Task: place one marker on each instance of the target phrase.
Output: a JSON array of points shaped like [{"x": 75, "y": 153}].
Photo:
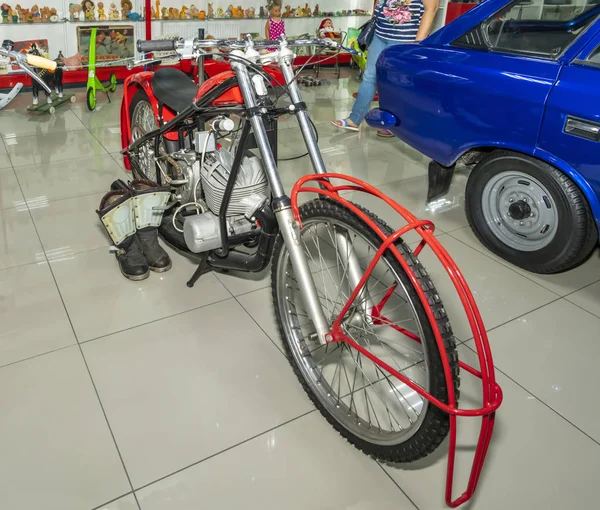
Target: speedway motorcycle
[{"x": 361, "y": 321}]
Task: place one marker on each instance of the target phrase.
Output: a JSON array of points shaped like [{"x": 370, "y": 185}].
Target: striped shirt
[{"x": 398, "y": 20}]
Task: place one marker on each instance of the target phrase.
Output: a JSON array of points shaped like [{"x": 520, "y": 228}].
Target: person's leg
[{"x": 367, "y": 89}]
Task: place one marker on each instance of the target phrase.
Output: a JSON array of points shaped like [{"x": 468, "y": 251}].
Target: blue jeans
[{"x": 368, "y": 87}]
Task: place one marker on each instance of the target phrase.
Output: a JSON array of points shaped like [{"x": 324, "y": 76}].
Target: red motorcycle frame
[{"x": 222, "y": 90}]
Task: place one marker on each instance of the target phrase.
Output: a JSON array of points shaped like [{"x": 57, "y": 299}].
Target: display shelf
[
  {"x": 34, "y": 23},
  {"x": 257, "y": 18}
]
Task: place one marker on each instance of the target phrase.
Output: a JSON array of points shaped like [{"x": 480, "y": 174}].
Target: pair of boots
[{"x": 131, "y": 215}]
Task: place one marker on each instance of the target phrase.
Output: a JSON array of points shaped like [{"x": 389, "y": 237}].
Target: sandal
[
  {"x": 384, "y": 133},
  {"x": 343, "y": 124}
]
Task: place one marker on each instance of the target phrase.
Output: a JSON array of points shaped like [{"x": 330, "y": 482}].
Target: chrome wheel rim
[
  {"x": 367, "y": 401},
  {"x": 142, "y": 122},
  {"x": 519, "y": 211}
]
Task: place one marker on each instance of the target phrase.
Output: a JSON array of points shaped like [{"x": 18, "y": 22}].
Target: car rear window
[{"x": 544, "y": 29}]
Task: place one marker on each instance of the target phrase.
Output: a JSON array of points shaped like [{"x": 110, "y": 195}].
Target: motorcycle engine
[
  {"x": 201, "y": 231},
  {"x": 188, "y": 166}
]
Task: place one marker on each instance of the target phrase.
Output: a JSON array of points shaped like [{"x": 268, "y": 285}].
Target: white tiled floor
[{"x": 151, "y": 396}]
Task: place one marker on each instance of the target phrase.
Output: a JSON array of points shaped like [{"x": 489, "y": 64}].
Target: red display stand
[{"x": 455, "y": 9}]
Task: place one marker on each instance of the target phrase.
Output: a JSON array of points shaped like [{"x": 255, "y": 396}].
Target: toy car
[{"x": 511, "y": 88}]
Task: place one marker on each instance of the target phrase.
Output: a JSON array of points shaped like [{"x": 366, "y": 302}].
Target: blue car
[{"x": 511, "y": 89}]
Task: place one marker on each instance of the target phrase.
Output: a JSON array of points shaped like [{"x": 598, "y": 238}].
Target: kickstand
[{"x": 199, "y": 270}]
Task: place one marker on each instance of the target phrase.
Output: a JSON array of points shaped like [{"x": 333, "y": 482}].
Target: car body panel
[{"x": 447, "y": 100}]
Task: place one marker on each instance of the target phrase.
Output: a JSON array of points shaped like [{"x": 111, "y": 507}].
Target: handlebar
[
  {"x": 24, "y": 60},
  {"x": 150, "y": 46},
  {"x": 198, "y": 44},
  {"x": 44, "y": 63}
]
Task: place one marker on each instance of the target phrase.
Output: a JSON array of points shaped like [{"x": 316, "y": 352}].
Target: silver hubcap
[
  {"x": 519, "y": 211},
  {"x": 142, "y": 122},
  {"x": 366, "y": 400}
]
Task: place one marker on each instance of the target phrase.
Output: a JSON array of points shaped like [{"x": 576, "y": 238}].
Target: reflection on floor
[{"x": 120, "y": 395}]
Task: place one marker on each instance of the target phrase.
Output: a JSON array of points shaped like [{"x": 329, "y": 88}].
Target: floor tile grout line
[
  {"x": 488, "y": 256},
  {"x": 541, "y": 401},
  {"x": 225, "y": 450},
  {"x": 37, "y": 356},
  {"x": 581, "y": 307},
  {"x": 83, "y": 342},
  {"x": 533, "y": 310},
  {"x": 103, "y": 505},
  {"x": 509, "y": 266},
  {"x": 396, "y": 484},
  {"x": 261, "y": 328},
  {"x": 86, "y": 365}
]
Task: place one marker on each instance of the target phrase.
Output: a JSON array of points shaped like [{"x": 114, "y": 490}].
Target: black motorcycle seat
[{"x": 173, "y": 88}]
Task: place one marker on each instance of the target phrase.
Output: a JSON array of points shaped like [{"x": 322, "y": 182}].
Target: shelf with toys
[{"x": 65, "y": 28}]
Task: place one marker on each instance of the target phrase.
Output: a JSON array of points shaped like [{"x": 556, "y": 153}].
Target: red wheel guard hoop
[{"x": 492, "y": 393}]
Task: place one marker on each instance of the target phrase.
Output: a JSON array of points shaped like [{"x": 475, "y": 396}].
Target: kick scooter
[{"x": 93, "y": 82}]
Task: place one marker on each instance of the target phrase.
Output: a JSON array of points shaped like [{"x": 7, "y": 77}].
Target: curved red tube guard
[{"x": 492, "y": 393}]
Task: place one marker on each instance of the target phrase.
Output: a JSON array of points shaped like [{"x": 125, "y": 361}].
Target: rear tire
[
  {"x": 529, "y": 213},
  {"x": 429, "y": 427},
  {"x": 139, "y": 111}
]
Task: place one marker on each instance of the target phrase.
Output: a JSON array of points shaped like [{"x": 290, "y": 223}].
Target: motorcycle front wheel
[{"x": 374, "y": 411}]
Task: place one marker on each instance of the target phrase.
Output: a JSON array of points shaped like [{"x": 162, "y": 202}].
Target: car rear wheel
[{"x": 529, "y": 213}]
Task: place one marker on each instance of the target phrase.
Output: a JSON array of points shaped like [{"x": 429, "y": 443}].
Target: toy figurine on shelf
[
  {"x": 5, "y": 9},
  {"x": 165, "y": 13},
  {"x": 101, "y": 14},
  {"x": 307, "y": 11},
  {"x": 262, "y": 13},
  {"x": 113, "y": 13},
  {"x": 88, "y": 8},
  {"x": 126, "y": 8},
  {"x": 194, "y": 11},
  {"x": 211, "y": 11},
  {"x": 14, "y": 16},
  {"x": 35, "y": 13},
  {"x": 45, "y": 14},
  {"x": 316, "y": 11},
  {"x": 157, "y": 11},
  {"x": 229, "y": 12},
  {"x": 134, "y": 16},
  {"x": 327, "y": 31},
  {"x": 299, "y": 12},
  {"x": 288, "y": 12},
  {"x": 202, "y": 15},
  {"x": 250, "y": 13},
  {"x": 220, "y": 13}
]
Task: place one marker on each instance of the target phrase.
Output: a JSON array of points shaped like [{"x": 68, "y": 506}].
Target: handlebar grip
[
  {"x": 44, "y": 63},
  {"x": 150, "y": 46}
]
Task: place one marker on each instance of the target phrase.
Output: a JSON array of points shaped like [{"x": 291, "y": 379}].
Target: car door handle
[{"x": 582, "y": 128}]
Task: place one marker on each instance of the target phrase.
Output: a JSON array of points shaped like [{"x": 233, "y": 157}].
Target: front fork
[
  {"x": 288, "y": 225},
  {"x": 355, "y": 272}
]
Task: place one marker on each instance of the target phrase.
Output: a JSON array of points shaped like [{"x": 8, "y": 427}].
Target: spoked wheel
[
  {"x": 373, "y": 410},
  {"x": 143, "y": 121}
]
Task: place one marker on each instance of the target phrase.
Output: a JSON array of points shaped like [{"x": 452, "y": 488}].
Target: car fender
[{"x": 575, "y": 176}]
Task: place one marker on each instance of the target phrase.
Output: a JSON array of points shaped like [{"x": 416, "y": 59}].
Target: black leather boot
[
  {"x": 150, "y": 198},
  {"x": 116, "y": 212}
]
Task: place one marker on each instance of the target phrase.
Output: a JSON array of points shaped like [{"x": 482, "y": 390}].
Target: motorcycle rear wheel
[
  {"x": 142, "y": 121},
  {"x": 375, "y": 412}
]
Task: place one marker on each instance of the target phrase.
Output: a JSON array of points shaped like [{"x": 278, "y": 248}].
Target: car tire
[{"x": 529, "y": 213}]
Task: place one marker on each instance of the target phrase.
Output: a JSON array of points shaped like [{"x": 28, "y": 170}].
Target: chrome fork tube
[
  {"x": 283, "y": 211},
  {"x": 355, "y": 272}
]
